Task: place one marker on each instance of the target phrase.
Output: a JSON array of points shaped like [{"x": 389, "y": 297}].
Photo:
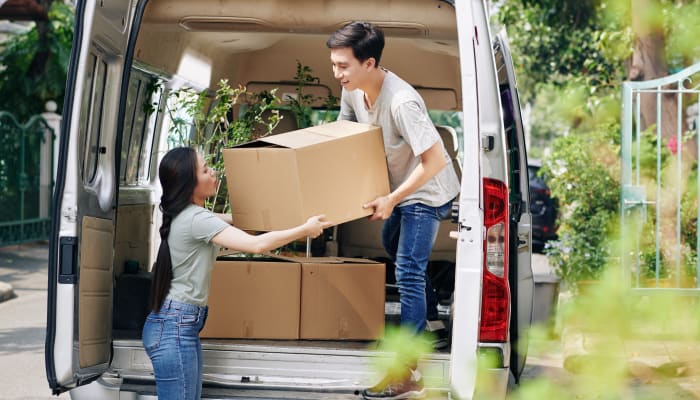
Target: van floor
[{"x": 392, "y": 318}]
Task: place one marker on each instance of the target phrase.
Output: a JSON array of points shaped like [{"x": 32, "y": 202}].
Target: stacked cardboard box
[
  {"x": 278, "y": 182},
  {"x": 296, "y": 298}
]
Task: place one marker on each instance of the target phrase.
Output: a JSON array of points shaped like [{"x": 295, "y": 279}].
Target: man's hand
[{"x": 382, "y": 206}]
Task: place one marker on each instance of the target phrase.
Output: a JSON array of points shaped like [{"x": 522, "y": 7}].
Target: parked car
[
  {"x": 114, "y": 133},
  {"x": 542, "y": 207}
]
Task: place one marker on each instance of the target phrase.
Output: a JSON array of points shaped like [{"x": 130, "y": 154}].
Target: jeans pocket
[
  {"x": 152, "y": 333},
  {"x": 187, "y": 319}
]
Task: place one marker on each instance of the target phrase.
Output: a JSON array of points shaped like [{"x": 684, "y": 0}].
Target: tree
[
  {"x": 40, "y": 57},
  {"x": 574, "y": 57},
  {"x": 649, "y": 61}
]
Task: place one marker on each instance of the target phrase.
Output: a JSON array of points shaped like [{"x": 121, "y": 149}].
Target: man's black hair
[{"x": 365, "y": 40}]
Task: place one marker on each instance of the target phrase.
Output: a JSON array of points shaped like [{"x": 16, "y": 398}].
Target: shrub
[{"x": 583, "y": 170}]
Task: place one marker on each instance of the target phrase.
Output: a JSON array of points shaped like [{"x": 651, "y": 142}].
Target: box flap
[
  {"x": 325, "y": 260},
  {"x": 341, "y": 128},
  {"x": 296, "y": 139},
  {"x": 317, "y": 134}
]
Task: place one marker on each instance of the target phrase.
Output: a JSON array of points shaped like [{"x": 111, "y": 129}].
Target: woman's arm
[
  {"x": 228, "y": 218},
  {"x": 236, "y": 239}
]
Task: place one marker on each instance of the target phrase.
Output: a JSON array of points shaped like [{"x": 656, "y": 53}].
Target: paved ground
[{"x": 23, "y": 322}]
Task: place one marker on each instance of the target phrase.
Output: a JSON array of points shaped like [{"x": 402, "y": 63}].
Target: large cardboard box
[
  {"x": 256, "y": 298},
  {"x": 341, "y": 298},
  {"x": 279, "y": 181}
]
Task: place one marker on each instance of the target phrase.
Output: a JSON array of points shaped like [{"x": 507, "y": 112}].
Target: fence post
[{"x": 49, "y": 157}]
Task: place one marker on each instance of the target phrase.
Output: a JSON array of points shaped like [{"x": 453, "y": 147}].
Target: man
[{"x": 422, "y": 180}]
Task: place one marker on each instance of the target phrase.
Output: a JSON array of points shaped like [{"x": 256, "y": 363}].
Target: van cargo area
[
  {"x": 301, "y": 329},
  {"x": 340, "y": 366}
]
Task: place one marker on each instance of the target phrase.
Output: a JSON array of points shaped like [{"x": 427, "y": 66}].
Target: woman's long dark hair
[{"x": 178, "y": 178}]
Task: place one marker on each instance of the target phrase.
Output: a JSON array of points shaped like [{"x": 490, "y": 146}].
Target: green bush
[{"x": 584, "y": 175}]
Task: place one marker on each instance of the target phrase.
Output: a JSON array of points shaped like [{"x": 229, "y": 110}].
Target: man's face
[{"x": 351, "y": 73}]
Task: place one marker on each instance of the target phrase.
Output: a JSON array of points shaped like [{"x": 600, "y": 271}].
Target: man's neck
[{"x": 374, "y": 86}]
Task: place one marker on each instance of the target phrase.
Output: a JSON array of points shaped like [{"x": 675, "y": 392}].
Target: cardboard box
[
  {"x": 258, "y": 298},
  {"x": 341, "y": 298},
  {"x": 279, "y": 181}
]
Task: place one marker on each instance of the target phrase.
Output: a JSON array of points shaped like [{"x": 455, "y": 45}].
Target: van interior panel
[{"x": 95, "y": 294}]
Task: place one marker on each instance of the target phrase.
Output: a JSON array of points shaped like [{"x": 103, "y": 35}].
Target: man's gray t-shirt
[
  {"x": 193, "y": 254},
  {"x": 408, "y": 132}
]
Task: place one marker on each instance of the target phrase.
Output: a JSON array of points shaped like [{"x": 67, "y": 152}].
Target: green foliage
[
  {"x": 689, "y": 224},
  {"x": 583, "y": 175},
  {"x": 206, "y": 123},
  {"x": 555, "y": 40},
  {"x": 302, "y": 104},
  {"x": 570, "y": 60},
  {"x": 26, "y": 96}
]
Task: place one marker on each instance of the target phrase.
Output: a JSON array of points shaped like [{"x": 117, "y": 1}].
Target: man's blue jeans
[
  {"x": 408, "y": 236},
  {"x": 171, "y": 340}
]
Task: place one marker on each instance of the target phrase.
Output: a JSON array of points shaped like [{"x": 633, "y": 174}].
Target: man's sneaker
[{"x": 409, "y": 388}]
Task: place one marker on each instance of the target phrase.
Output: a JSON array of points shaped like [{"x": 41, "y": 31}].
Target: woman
[{"x": 190, "y": 237}]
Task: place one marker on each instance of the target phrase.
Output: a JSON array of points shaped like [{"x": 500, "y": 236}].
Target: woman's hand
[{"x": 315, "y": 225}]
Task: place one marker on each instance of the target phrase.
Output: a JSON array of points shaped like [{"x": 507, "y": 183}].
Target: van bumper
[{"x": 492, "y": 379}]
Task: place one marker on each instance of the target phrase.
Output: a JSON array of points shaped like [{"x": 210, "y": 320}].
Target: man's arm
[{"x": 432, "y": 161}]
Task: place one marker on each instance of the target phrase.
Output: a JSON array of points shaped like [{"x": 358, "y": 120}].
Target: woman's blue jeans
[
  {"x": 171, "y": 339},
  {"x": 408, "y": 236}
]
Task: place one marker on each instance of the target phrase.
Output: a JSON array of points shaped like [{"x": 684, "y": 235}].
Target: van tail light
[
  {"x": 544, "y": 192},
  {"x": 495, "y": 300}
]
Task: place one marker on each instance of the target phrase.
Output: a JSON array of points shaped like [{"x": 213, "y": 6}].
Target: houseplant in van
[
  {"x": 205, "y": 121},
  {"x": 302, "y": 103}
]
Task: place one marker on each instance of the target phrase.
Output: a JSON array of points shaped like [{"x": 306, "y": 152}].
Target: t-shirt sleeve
[
  {"x": 415, "y": 126},
  {"x": 206, "y": 225},
  {"x": 347, "y": 113}
]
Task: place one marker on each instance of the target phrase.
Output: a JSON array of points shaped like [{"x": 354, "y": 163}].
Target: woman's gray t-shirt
[
  {"x": 408, "y": 132},
  {"x": 193, "y": 254}
]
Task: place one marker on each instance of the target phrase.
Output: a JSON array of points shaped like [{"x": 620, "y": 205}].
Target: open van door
[
  {"x": 79, "y": 310},
  {"x": 520, "y": 272},
  {"x": 468, "y": 266}
]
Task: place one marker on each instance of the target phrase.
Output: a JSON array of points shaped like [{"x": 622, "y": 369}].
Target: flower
[{"x": 672, "y": 144}]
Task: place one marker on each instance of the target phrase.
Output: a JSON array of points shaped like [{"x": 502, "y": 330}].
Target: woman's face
[{"x": 206, "y": 182}]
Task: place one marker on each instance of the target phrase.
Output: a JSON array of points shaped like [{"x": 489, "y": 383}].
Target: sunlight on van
[{"x": 196, "y": 68}]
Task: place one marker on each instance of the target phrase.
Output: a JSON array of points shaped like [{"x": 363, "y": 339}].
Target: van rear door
[
  {"x": 468, "y": 266},
  {"x": 79, "y": 311},
  {"x": 520, "y": 270}
]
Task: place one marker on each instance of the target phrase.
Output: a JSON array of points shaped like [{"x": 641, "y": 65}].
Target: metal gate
[
  {"x": 659, "y": 204},
  {"x": 26, "y": 179}
]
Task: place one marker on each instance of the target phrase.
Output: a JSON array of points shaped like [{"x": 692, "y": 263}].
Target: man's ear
[{"x": 370, "y": 63}]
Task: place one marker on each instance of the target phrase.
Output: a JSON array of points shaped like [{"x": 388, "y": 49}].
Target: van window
[
  {"x": 91, "y": 114},
  {"x": 452, "y": 119},
  {"x": 141, "y": 117}
]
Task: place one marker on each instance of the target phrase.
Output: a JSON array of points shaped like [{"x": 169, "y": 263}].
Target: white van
[{"x": 106, "y": 198}]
